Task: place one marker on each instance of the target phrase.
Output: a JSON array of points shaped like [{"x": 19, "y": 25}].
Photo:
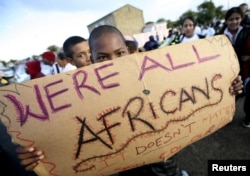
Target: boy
[
  {"x": 77, "y": 49},
  {"x": 107, "y": 43}
]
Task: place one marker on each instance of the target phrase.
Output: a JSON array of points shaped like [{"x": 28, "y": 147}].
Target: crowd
[{"x": 108, "y": 43}]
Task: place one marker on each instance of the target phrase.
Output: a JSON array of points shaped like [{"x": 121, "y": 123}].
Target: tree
[
  {"x": 170, "y": 24},
  {"x": 219, "y": 13},
  {"x": 160, "y": 20},
  {"x": 53, "y": 48},
  {"x": 206, "y": 12},
  {"x": 150, "y": 22},
  {"x": 185, "y": 15}
]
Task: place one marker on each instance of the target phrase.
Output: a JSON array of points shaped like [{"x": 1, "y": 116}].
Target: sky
[{"x": 28, "y": 27}]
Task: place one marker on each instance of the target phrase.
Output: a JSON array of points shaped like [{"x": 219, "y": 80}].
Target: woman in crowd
[{"x": 239, "y": 37}]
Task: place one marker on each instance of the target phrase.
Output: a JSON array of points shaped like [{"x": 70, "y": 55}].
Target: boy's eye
[
  {"x": 120, "y": 53},
  {"x": 101, "y": 58},
  {"x": 81, "y": 55}
]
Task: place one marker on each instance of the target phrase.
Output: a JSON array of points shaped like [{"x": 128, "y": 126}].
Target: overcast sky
[{"x": 28, "y": 27}]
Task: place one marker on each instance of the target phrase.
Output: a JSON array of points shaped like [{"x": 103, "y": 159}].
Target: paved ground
[{"x": 229, "y": 143}]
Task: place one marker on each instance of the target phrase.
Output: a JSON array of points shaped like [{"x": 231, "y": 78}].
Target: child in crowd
[
  {"x": 64, "y": 62},
  {"x": 239, "y": 35},
  {"x": 49, "y": 58},
  {"x": 107, "y": 43},
  {"x": 188, "y": 31},
  {"x": 77, "y": 49}
]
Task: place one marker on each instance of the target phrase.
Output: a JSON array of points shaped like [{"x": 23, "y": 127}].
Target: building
[{"x": 128, "y": 19}]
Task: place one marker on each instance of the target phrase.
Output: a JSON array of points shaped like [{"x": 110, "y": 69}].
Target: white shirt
[
  {"x": 56, "y": 68},
  {"x": 204, "y": 32},
  {"x": 211, "y": 32},
  {"x": 197, "y": 30},
  {"x": 68, "y": 67},
  {"x": 185, "y": 39}
]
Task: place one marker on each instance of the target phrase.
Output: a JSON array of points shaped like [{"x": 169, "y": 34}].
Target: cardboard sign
[{"x": 125, "y": 113}]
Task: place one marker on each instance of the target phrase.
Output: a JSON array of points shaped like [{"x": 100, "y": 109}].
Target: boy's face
[
  {"x": 108, "y": 47},
  {"x": 81, "y": 54}
]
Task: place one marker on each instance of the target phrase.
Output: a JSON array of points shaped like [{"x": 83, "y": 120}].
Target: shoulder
[{"x": 69, "y": 67}]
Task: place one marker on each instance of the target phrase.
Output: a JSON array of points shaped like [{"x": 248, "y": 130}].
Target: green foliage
[
  {"x": 160, "y": 20},
  {"x": 185, "y": 15},
  {"x": 206, "y": 12},
  {"x": 170, "y": 24},
  {"x": 53, "y": 48},
  {"x": 149, "y": 22},
  {"x": 219, "y": 12},
  {"x": 35, "y": 57}
]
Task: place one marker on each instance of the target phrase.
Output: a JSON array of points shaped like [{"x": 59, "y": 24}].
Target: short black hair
[
  {"x": 189, "y": 18},
  {"x": 62, "y": 56},
  {"x": 69, "y": 43},
  {"x": 103, "y": 29}
]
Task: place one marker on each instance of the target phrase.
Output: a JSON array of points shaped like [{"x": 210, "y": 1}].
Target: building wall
[
  {"x": 129, "y": 20},
  {"x": 108, "y": 20}
]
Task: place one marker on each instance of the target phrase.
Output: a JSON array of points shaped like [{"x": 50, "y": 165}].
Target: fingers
[
  {"x": 29, "y": 157},
  {"x": 34, "y": 154},
  {"x": 237, "y": 86},
  {"x": 31, "y": 166},
  {"x": 21, "y": 149}
]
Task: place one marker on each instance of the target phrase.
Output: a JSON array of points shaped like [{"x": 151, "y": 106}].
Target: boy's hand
[
  {"x": 237, "y": 86},
  {"x": 29, "y": 157}
]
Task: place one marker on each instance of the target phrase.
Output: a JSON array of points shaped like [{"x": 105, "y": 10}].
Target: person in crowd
[
  {"x": 77, "y": 49},
  {"x": 171, "y": 39},
  {"x": 246, "y": 20},
  {"x": 239, "y": 37},
  {"x": 208, "y": 30},
  {"x": 197, "y": 29},
  {"x": 49, "y": 58},
  {"x": 211, "y": 30},
  {"x": 151, "y": 44},
  {"x": 33, "y": 68},
  {"x": 246, "y": 26},
  {"x": 204, "y": 31},
  {"x": 107, "y": 43},
  {"x": 188, "y": 33},
  {"x": 64, "y": 62},
  {"x": 132, "y": 46},
  {"x": 246, "y": 105}
]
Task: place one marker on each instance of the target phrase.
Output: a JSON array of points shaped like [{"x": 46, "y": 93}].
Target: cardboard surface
[{"x": 125, "y": 113}]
